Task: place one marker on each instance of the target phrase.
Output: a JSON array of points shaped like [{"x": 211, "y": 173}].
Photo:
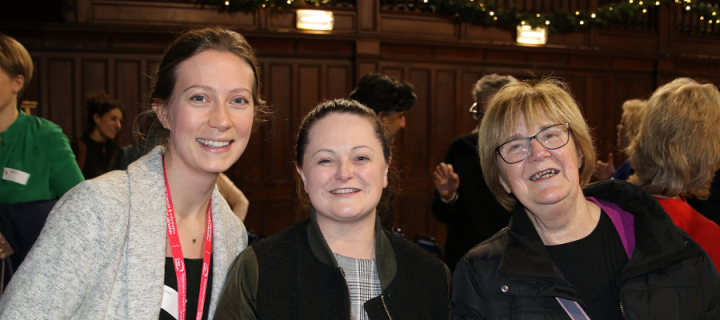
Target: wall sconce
[
  {"x": 528, "y": 35},
  {"x": 314, "y": 20}
]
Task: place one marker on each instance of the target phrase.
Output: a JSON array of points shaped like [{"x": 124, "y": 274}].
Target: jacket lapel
[
  {"x": 223, "y": 241},
  {"x": 145, "y": 250}
]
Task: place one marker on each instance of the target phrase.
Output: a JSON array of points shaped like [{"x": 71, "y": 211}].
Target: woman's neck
[
  {"x": 189, "y": 189},
  {"x": 96, "y": 136},
  {"x": 8, "y": 115},
  {"x": 565, "y": 222},
  {"x": 350, "y": 239}
]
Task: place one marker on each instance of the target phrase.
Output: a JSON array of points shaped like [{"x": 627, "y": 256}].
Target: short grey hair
[{"x": 489, "y": 85}]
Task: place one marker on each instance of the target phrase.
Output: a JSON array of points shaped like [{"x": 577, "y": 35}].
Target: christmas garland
[{"x": 487, "y": 14}]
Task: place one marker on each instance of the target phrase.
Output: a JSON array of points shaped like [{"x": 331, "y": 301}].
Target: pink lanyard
[{"x": 177, "y": 255}]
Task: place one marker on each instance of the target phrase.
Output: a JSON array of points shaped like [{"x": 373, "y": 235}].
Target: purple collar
[{"x": 624, "y": 223}]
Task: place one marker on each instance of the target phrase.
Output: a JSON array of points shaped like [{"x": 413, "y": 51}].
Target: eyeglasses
[
  {"x": 475, "y": 111},
  {"x": 551, "y": 138}
]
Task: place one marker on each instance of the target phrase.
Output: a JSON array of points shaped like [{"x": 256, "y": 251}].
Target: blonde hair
[
  {"x": 15, "y": 60},
  {"x": 633, "y": 111},
  {"x": 530, "y": 100},
  {"x": 678, "y": 147}
]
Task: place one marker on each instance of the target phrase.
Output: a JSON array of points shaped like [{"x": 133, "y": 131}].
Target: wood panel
[
  {"x": 128, "y": 91},
  {"x": 117, "y": 44},
  {"x": 60, "y": 99}
]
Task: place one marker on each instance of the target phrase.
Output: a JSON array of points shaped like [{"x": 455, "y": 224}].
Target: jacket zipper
[
  {"x": 384, "y": 305},
  {"x": 622, "y": 309},
  {"x": 348, "y": 291}
]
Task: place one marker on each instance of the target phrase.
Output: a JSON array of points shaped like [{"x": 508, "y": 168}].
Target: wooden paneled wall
[
  {"x": 63, "y": 80},
  {"x": 114, "y": 45}
]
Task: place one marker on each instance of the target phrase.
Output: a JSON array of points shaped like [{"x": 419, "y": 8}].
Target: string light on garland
[{"x": 507, "y": 17}]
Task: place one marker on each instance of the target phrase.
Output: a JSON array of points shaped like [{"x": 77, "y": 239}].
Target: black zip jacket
[{"x": 511, "y": 275}]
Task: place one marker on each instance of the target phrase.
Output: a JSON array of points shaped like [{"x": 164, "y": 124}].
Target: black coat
[
  {"x": 511, "y": 275},
  {"x": 476, "y": 215}
]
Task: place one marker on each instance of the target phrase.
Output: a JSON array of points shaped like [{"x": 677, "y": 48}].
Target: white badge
[
  {"x": 170, "y": 301},
  {"x": 15, "y": 175}
]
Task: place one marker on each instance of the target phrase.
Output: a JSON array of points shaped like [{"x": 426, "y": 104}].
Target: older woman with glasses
[{"x": 608, "y": 251}]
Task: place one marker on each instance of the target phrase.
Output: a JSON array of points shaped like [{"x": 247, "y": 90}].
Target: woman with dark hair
[
  {"x": 96, "y": 152},
  {"x": 154, "y": 241},
  {"x": 340, "y": 263}
]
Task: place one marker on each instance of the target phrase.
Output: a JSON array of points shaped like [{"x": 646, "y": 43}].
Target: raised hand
[
  {"x": 446, "y": 180},
  {"x": 605, "y": 170}
]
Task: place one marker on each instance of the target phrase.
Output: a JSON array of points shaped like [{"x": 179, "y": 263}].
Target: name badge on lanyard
[{"x": 179, "y": 260}]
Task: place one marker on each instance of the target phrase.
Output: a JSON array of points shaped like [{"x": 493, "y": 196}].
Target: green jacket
[{"x": 37, "y": 147}]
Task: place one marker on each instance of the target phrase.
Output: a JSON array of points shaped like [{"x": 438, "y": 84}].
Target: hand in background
[
  {"x": 605, "y": 170},
  {"x": 5, "y": 249},
  {"x": 234, "y": 197},
  {"x": 446, "y": 180}
]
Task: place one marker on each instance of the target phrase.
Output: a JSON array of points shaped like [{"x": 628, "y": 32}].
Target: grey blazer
[{"x": 101, "y": 254}]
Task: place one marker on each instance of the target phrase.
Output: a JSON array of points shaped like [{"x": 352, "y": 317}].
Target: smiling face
[
  {"x": 210, "y": 113},
  {"x": 545, "y": 177},
  {"x": 109, "y": 124},
  {"x": 344, "y": 170}
]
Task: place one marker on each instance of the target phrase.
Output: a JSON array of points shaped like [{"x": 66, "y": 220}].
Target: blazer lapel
[{"x": 146, "y": 236}]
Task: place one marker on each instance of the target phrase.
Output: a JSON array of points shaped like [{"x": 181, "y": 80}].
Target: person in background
[
  {"x": 388, "y": 97},
  {"x": 155, "y": 241},
  {"x": 35, "y": 157},
  {"x": 627, "y": 130},
  {"x": 468, "y": 208},
  {"x": 608, "y": 251},
  {"x": 677, "y": 152},
  {"x": 234, "y": 196},
  {"x": 340, "y": 263},
  {"x": 96, "y": 151}
]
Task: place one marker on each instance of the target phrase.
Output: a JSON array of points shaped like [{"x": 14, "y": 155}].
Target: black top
[
  {"x": 193, "y": 269},
  {"x": 710, "y": 208},
  {"x": 476, "y": 216},
  {"x": 293, "y": 283},
  {"x": 100, "y": 157},
  {"x": 593, "y": 266}
]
